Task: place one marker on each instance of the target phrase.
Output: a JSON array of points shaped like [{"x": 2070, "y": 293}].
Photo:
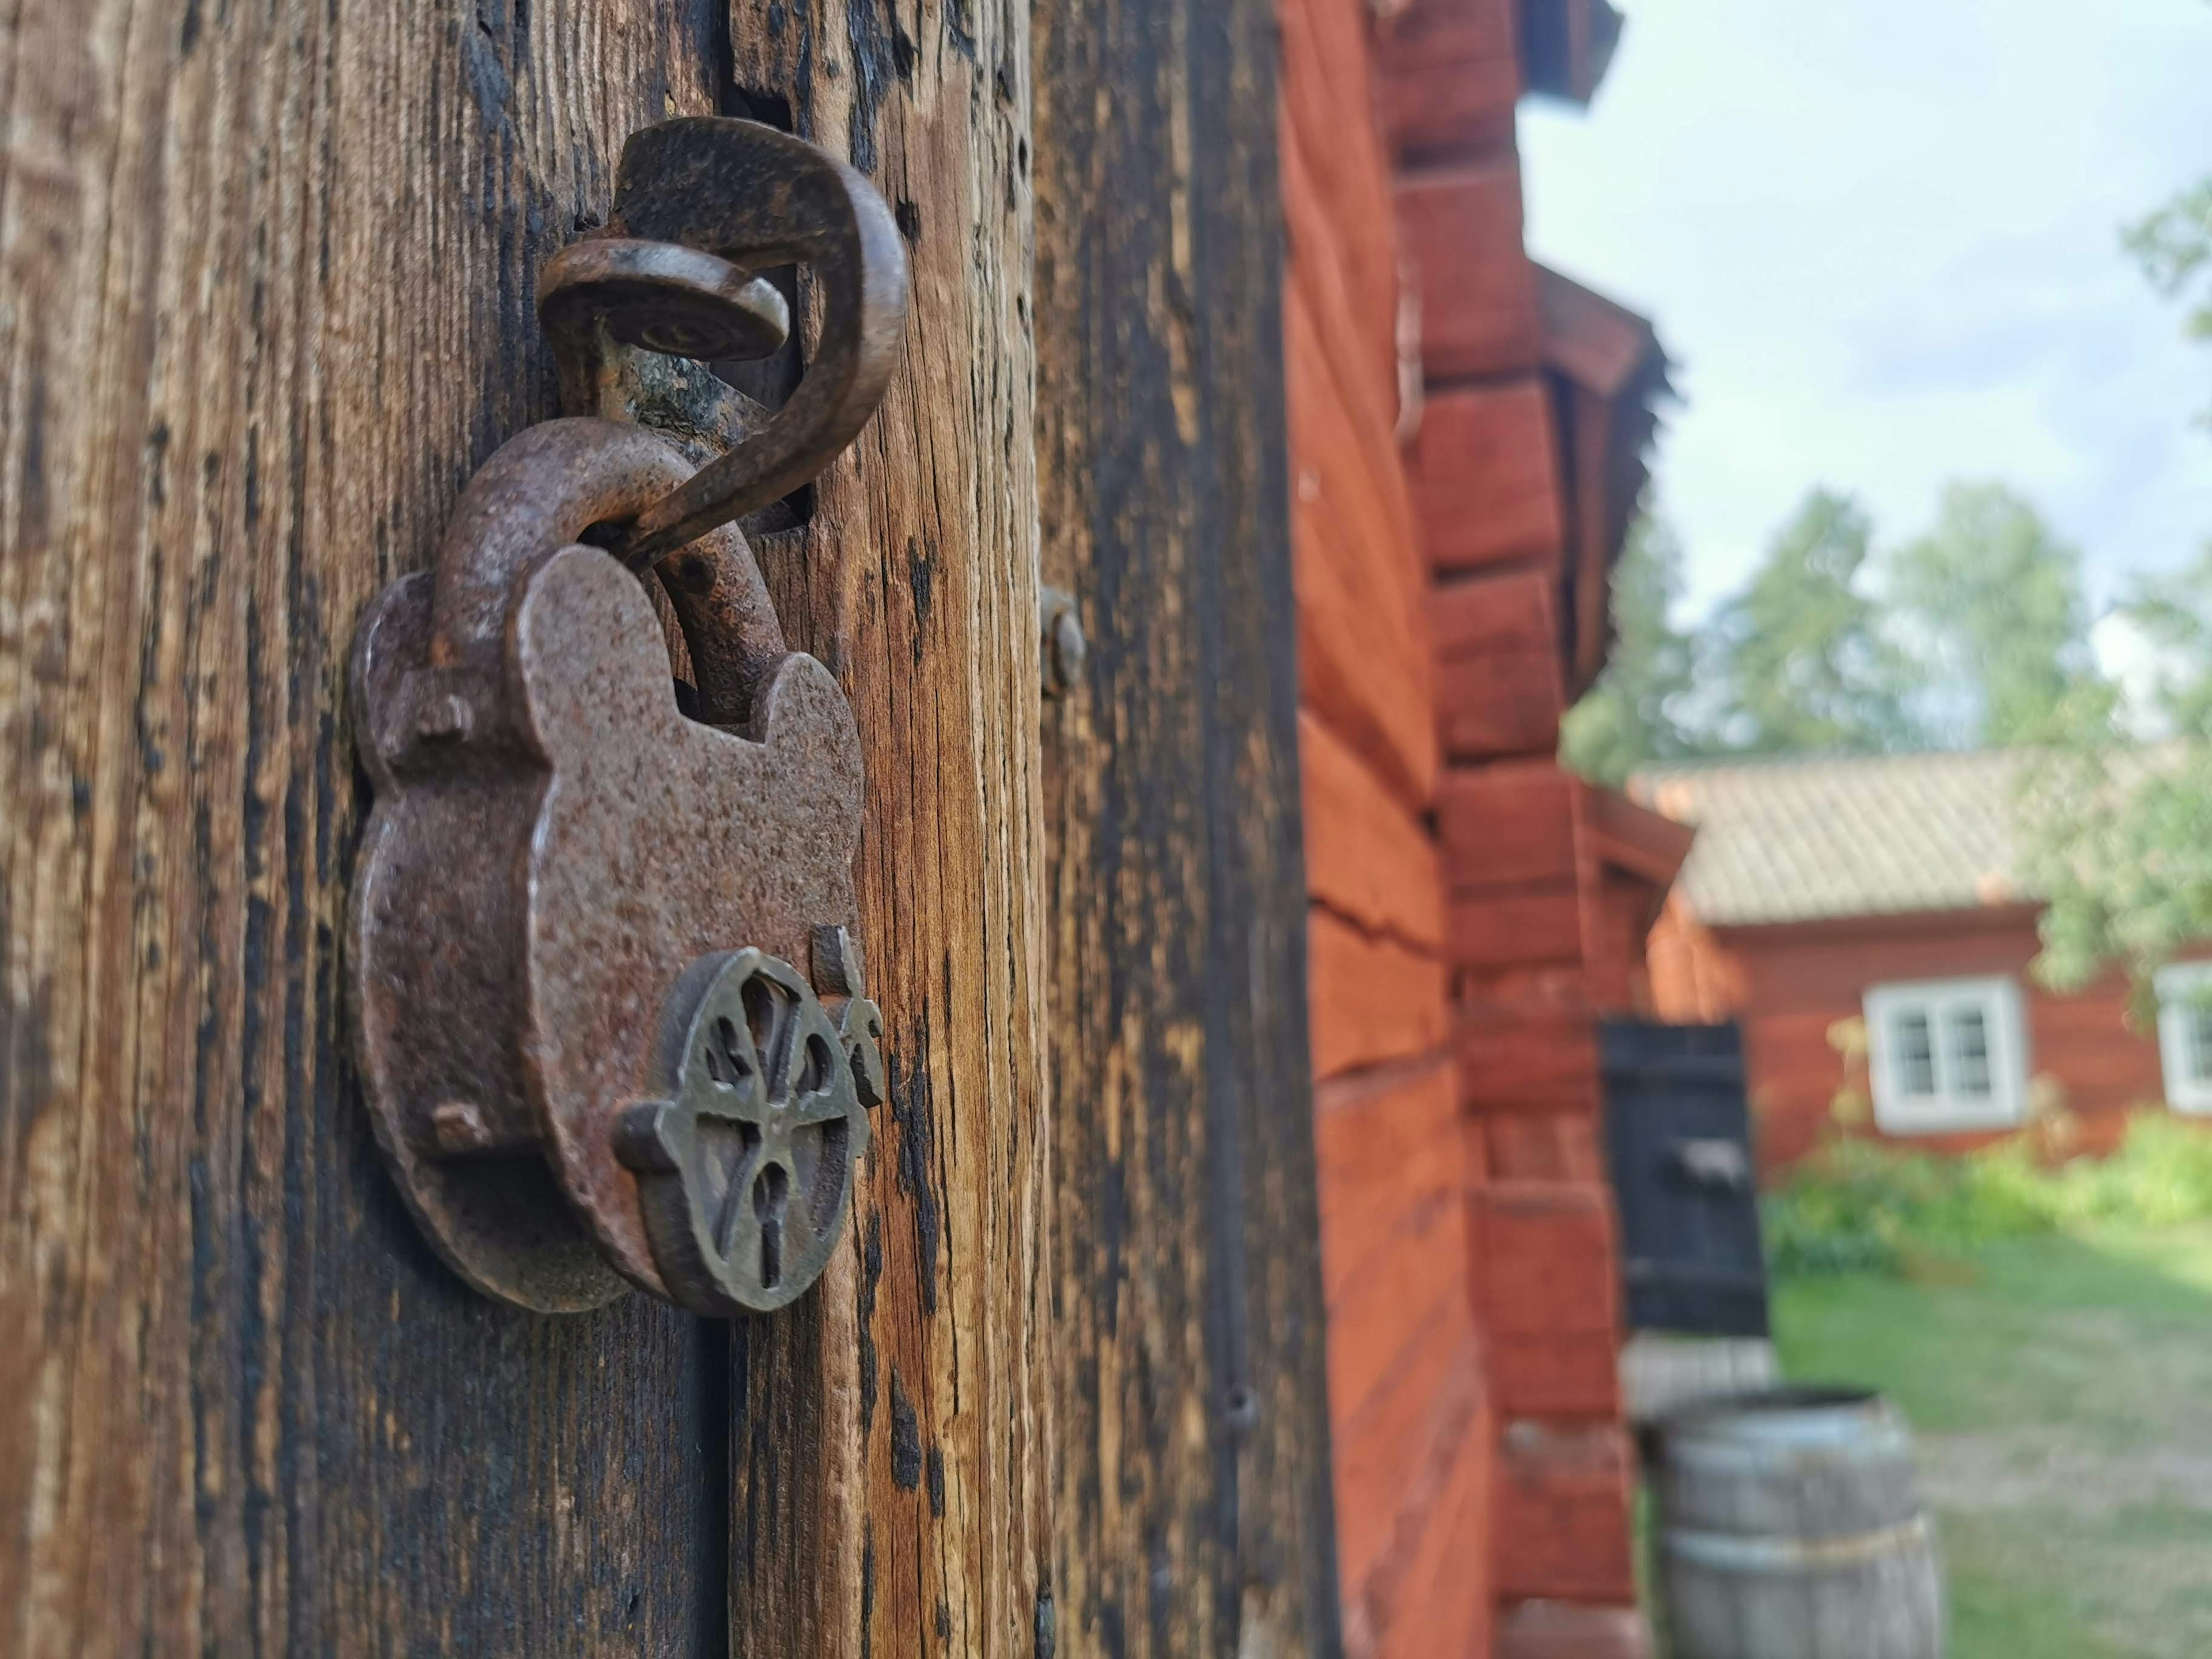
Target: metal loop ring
[{"x": 736, "y": 197}]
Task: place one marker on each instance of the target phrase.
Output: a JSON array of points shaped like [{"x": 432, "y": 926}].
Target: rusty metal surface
[
  {"x": 761, "y": 198},
  {"x": 566, "y": 877}
]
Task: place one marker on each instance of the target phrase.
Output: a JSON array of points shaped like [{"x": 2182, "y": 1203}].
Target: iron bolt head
[
  {"x": 447, "y": 719},
  {"x": 459, "y": 1127},
  {"x": 1065, "y": 647}
]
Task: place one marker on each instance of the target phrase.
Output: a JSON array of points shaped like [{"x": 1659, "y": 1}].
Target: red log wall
[
  {"x": 1482, "y": 1475},
  {"x": 1413, "y": 1434}
]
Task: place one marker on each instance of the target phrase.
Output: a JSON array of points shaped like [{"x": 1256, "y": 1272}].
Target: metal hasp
[{"x": 589, "y": 1056}]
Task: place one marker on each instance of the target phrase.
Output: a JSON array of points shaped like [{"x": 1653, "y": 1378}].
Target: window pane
[
  {"x": 1916, "y": 1052},
  {"x": 2198, "y": 1056},
  {"x": 1969, "y": 1052}
]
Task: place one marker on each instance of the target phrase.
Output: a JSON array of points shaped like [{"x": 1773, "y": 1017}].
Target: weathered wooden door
[
  {"x": 269, "y": 269},
  {"x": 1678, "y": 1136},
  {"x": 266, "y": 280}
]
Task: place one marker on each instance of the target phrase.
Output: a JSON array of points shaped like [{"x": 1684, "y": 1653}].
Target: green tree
[
  {"x": 1990, "y": 599},
  {"x": 1808, "y": 666},
  {"x": 1638, "y": 710},
  {"x": 2118, "y": 825},
  {"x": 2120, "y": 828},
  {"x": 2174, "y": 247}
]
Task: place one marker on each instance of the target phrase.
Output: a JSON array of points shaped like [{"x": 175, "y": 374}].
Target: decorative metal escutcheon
[
  {"x": 744, "y": 1169},
  {"x": 608, "y": 995}
]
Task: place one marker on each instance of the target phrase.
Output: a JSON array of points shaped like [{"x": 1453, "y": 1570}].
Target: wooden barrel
[{"x": 1790, "y": 1529}]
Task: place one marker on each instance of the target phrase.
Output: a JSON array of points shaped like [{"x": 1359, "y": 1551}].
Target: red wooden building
[
  {"x": 1467, "y": 432},
  {"x": 1871, "y": 923}
]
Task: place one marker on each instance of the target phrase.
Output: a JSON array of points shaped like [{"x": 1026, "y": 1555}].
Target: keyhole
[
  {"x": 726, "y": 1061},
  {"x": 769, "y": 1191},
  {"x": 771, "y": 1030},
  {"x": 814, "y": 1070}
]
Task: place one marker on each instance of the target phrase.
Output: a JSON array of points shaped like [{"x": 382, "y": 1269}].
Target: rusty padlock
[{"x": 609, "y": 1004}]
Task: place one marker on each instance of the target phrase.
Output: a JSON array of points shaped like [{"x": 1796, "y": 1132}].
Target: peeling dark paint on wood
[{"x": 1189, "y": 1171}]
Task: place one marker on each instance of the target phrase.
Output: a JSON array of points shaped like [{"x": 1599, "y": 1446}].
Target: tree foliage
[
  {"x": 2174, "y": 247},
  {"x": 1990, "y": 599},
  {"x": 1640, "y": 711},
  {"x": 1975, "y": 633},
  {"x": 2121, "y": 826},
  {"x": 1807, "y": 664}
]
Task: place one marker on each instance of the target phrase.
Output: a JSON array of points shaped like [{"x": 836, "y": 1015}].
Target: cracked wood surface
[
  {"x": 1194, "y": 1497},
  {"x": 265, "y": 301}
]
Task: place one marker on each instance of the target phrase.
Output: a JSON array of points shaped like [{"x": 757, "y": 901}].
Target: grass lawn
[{"x": 2061, "y": 1390}]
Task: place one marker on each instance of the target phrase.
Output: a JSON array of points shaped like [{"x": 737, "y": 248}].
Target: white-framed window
[
  {"x": 1946, "y": 1054},
  {"x": 2185, "y": 1034}
]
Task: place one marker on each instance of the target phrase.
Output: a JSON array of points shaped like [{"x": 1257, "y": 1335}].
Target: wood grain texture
[
  {"x": 894, "y": 1465},
  {"x": 1195, "y": 1514},
  {"x": 1367, "y": 859},
  {"x": 265, "y": 301},
  {"x": 265, "y": 278}
]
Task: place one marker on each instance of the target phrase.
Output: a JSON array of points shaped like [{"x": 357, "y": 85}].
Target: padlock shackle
[
  {"x": 544, "y": 489},
  {"x": 760, "y": 198}
]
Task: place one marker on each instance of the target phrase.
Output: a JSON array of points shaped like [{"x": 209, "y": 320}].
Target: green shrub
[{"x": 1868, "y": 1207}]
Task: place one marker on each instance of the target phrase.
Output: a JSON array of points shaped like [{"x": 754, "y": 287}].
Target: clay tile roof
[{"x": 1806, "y": 840}]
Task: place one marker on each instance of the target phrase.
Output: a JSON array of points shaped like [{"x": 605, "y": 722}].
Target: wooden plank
[
  {"x": 1363, "y": 651},
  {"x": 917, "y": 579},
  {"x": 1557, "y": 1374},
  {"x": 1544, "y": 1258},
  {"x": 1367, "y": 858},
  {"x": 1462, "y": 227},
  {"x": 1443, "y": 1603},
  {"x": 265, "y": 275},
  {"x": 1372, "y": 1336},
  {"x": 1513, "y": 610},
  {"x": 1345, "y": 460},
  {"x": 275, "y": 388},
  {"x": 1516, "y": 929},
  {"x": 1514, "y": 1050},
  {"x": 1563, "y": 1524},
  {"x": 1390, "y": 1151},
  {"x": 1452, "y": 72},
  {"x": 1560, "y": 1630},
  {"x": 1355, "y": 339},
  {"x": 1337, "y": 200},
  {"x": 1499, "y": 704},
  {"x": 1194, "y": 1510},
  {"x": 1382, "y": 1452},
  {"x": 1373, "y": 999},
  {"x": 1542, "y": 1146},
  {"x": 1487, "y": 477},
  {"x": 1507, "y": 826}
]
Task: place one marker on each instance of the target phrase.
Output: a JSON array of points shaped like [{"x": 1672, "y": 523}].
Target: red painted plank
[
  {"x": 1502, "y": 704},
  {"x": 1373, "y": 1001},
  {"x": 1563, "y": 1526},
  {"x": 1462, "y": 231},
  {"x": 1520, "y": 928},
  {"x": 1452, "y": 74},
  {"x": 1515, "y": 610},
  {"x": 1486, "y": 477},
  {"x": 1509, "y": 824},
  {"x": 1367, "y": 857}
]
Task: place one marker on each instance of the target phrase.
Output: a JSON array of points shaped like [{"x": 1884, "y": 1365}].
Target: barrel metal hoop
[{"x": 1733, "y": 1553}]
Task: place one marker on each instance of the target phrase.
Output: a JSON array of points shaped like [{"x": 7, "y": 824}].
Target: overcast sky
[{"x": 1880, "y": 239}]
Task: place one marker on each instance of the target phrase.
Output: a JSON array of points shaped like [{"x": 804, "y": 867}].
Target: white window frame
[
  {"x": 2177, "y": 983},
  {"x": 1897, "y": 1110}
]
